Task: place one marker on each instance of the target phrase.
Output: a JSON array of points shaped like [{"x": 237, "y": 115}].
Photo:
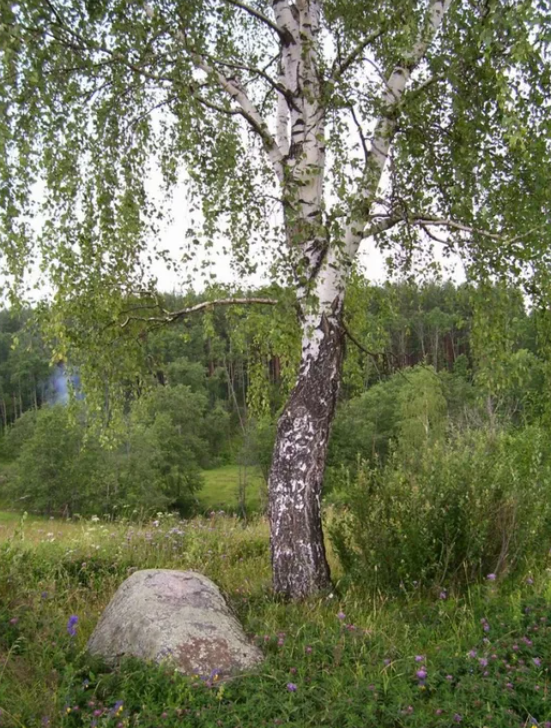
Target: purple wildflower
[
  {"x": 341, "y": 615},
  {"x": 537, "y": 661},
  {"x": 457, "y": 718},
  {"x": 117, "y": 708},
  {"x": 419, "y": 658},
  {"x": 491, "y": 577},
  {"x": 72, "y": 625},
  {"x": 421, "y": 674},
  {"x": 291, "y": 687},
  {"x": 483, "y": 662}
]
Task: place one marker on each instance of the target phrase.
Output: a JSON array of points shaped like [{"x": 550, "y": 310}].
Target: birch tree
[{"x": 410, "y": 123}]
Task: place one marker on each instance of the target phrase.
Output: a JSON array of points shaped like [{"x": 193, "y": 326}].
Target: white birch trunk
[{"x": 299, "y": 562}]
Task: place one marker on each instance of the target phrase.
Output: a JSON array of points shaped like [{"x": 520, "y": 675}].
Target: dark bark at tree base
[{"x": 299, "y": 561}]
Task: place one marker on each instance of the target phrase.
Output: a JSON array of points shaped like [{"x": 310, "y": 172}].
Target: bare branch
[
  {"x": 171, "y": 316},
  {"x": 360, "y": 132}
]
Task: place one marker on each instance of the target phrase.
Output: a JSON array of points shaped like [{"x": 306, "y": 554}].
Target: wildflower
[
  {"x": 472, "y": 653},
  {"x": 491, "y": 577},
  {"x": 443, "y": 594},
  {"x": 72, "y": 625},
  {"x": 341, "y": 615},
  {"x": 308, "y": 649},
  {"x": 421, "y": 674},
  {"x": 537, "y": 661},
  {"x": 449, "y": 677},
  {"x": 529, "y": 581},
  {"x": 291, "y": 687},
  {"x": 419, "y": 658},
  {"x": 483, "y": 662},
  {"x": 14, "y": 620},
  {"x": 457, "y": 718},
  {"x": 117, "y": 708}
]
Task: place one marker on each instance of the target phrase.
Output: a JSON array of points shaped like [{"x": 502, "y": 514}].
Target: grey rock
[{"x": 175, "y": 616}]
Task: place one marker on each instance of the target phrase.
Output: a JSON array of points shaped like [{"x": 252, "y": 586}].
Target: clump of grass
[{"x": 344, "y": 660}]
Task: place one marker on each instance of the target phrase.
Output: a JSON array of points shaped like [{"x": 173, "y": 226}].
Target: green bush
[
  {"x": 61, "y": 466},
  {"x": 478, "y": 505}
]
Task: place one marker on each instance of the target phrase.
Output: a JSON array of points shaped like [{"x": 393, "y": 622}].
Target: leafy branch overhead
[{"x": 452, "y": 97}]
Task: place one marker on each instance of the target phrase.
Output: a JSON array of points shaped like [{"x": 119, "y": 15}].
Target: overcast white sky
[{"x": 172, "y": 238}]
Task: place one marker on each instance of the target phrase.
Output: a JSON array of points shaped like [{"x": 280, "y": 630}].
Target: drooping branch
[{"x": 169, "y": 317}]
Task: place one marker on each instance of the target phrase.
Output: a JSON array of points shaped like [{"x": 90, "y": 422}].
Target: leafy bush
[
  {"x": 61, "y": 466},
  {"x": 478, "y": 505},
  {"x": 410, "y": 406}
]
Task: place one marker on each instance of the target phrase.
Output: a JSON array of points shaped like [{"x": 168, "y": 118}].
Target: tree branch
[
  {"x": 170, "y": 316},
  {"x": 247, "y": 110},
  {"x": 284, "y": 34},
  {"x": 385, "y": 128},
  {"x": 339, "y": 70}
]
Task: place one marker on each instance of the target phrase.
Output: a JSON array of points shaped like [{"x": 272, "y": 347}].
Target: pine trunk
[{"x": 299, "y": 562}]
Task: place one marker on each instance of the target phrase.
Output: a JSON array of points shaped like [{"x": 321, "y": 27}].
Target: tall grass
[{"x": 344, "y": 660}]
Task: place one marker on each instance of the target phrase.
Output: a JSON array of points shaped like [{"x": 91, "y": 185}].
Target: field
[
  {"x": 222, "y": 487},
  {"x": 346, "y": 660}
]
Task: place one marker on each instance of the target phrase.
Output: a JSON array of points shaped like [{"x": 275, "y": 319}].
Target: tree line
[{"x": 418, "y": 358}]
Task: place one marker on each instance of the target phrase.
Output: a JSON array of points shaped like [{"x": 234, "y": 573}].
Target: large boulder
[{"x": 177, "y": 616}]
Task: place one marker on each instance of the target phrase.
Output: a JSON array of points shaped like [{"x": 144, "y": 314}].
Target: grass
[
  {"x": 221, "y": 491},
  {"x": 482, "y": 659}
]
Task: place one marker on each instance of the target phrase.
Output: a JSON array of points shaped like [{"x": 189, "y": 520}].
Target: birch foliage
[{"x": 302, "y": 128}]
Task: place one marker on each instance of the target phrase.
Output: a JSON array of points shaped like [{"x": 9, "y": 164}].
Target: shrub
[{"x": 478, "y": 505}]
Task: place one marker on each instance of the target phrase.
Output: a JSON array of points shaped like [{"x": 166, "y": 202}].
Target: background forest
[{"x": 439, "y": 454}]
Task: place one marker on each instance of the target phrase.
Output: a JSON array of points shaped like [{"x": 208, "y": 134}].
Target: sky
[{"x": 371, "y": 260}]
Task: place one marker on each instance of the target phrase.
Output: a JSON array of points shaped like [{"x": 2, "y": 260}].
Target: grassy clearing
[
  {"x": 222, "y": 488},
  {"x": 345, "y": 660}
]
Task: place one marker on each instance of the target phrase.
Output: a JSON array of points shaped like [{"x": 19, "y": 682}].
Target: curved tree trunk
[{"x": 299, "y": 562}]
